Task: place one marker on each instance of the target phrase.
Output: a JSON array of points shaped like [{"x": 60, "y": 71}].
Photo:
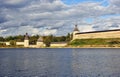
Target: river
[{"x": 63, "y": 62}]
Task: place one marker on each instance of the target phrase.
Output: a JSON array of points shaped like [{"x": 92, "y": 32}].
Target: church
[{"x": 95, "y": 34}]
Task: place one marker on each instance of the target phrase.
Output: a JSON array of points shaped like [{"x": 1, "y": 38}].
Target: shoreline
[{"x": 53, "y": 47}]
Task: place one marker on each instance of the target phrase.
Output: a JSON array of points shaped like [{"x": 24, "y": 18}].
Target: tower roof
[
  {"x": 76, "y": 29},
  {"x": 40, "y": 39},
  {"x": 26, "y": 36}
]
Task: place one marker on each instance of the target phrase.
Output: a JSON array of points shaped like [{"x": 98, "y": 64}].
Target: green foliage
[
  {"x": 47, "y": 40},
  {"x": 59, "y": 39},
  {"x": 18, "y": 38},
  {"x": 33, "y": 39},
  {"x": 98, "y": 41},
  {"x": 2, "y": 39},
  {"x": 12, "y": 42},
  {"x": 114, "y": 42},
  {"x": 68, "y": 37},
  {"x": 9, "y": 38},
  {"x": 2, "y": 44}
]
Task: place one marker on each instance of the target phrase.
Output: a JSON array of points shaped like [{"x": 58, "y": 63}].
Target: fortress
[
  {"x": 95, "y": 34},
  {"x": 76, "y": 35}
]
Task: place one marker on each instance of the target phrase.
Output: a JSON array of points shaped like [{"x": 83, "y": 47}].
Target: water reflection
[
  {"x": 96, "y": 63},
  {"x": 60, "y": 62},
  {"x": 35, "y": 62}
]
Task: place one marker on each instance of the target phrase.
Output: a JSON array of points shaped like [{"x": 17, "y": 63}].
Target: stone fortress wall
[
  {"x": 97, "y": 34},
  {"x": 39, "y": 43}
]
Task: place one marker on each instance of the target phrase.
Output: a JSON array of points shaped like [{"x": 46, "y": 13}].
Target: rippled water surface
[{"x": 60, "y": 62}]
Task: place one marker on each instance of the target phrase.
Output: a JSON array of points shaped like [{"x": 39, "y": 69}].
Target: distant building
[
  {"x": 25, "y": 43},
  {"x": 95, "y": 34},
  {"x": 40, "y": 42}
]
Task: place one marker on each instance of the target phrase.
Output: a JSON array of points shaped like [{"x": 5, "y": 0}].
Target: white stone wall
[
  {"x": 58, "y": 45},
  {"x": 32, "y": 46},
  {"x": 7, "y": 43},
  {"x": 19, "y": 43},
  {"x": 26, "y": 43},
  {"x": 110, "y": 34}
]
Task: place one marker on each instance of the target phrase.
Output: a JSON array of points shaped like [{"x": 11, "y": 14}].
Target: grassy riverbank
[
  {"x": 83, "y": 43},
  {"x": 109, "y": 42}
]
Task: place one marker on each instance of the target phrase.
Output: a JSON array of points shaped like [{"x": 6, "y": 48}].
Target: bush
[
  {"x": 47, "y": 41},
  {"x": 114, "y": 42},
  {"x": 2, "y": 44},
  {"x": 12, "y": 42}
]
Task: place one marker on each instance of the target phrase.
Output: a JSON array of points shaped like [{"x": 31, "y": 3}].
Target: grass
[{"x": 96, "y": 42}]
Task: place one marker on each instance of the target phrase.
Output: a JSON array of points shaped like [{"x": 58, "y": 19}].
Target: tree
[
  {"x": 71, "y": 36},
  {"x": 68, "y": 37},
  {"x": 12, "y": 42},
  {"x": 2, "y": 44},
  {"x": 33, "y": 39},
  {"x": 9, "y": 38},
  {"x": 47, "y": 40},
  {"x": 1, "y": 39},
  {"x": 19, "y": 38}
]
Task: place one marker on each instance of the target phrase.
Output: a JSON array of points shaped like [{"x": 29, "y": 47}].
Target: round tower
[
  {"x": 76, "y": 30},
  {"x": 26, "y": 40},
  {"x": 40, "y": 42}
]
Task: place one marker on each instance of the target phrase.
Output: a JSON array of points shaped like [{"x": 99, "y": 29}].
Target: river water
[{"x": 66, "y": 62}]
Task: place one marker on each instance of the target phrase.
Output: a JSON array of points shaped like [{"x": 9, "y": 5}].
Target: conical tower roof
[
  {"x": 76, "y": 29},
  {"x": 26, "y": 36},
  {"x": 40, "y": 39}
]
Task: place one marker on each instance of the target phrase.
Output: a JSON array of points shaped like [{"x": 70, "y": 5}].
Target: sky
[{"x": 57, "y": 17}]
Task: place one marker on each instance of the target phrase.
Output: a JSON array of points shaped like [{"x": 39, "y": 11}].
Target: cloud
[
  {"x": 13, "y": 1},
  {"x": 55, "y": 17},
  {"x": 115, "y": 2}
]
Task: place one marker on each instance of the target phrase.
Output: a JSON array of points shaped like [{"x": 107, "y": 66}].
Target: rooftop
[
  {"x": 40, "y": 39},
  {"x": 76, "y": 29},
  {"x": 26, "y": 36}
]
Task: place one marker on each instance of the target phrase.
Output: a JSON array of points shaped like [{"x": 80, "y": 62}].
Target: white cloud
[
  {"x": 49, "y": 32},
  {"x": 13, "y": 1},
  {"x": 51, "y": 16}
]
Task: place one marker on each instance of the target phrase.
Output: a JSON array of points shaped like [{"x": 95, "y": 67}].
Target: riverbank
[
  {"x": 85, "y": 46},
  {"x": 96, "y": 43}
]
